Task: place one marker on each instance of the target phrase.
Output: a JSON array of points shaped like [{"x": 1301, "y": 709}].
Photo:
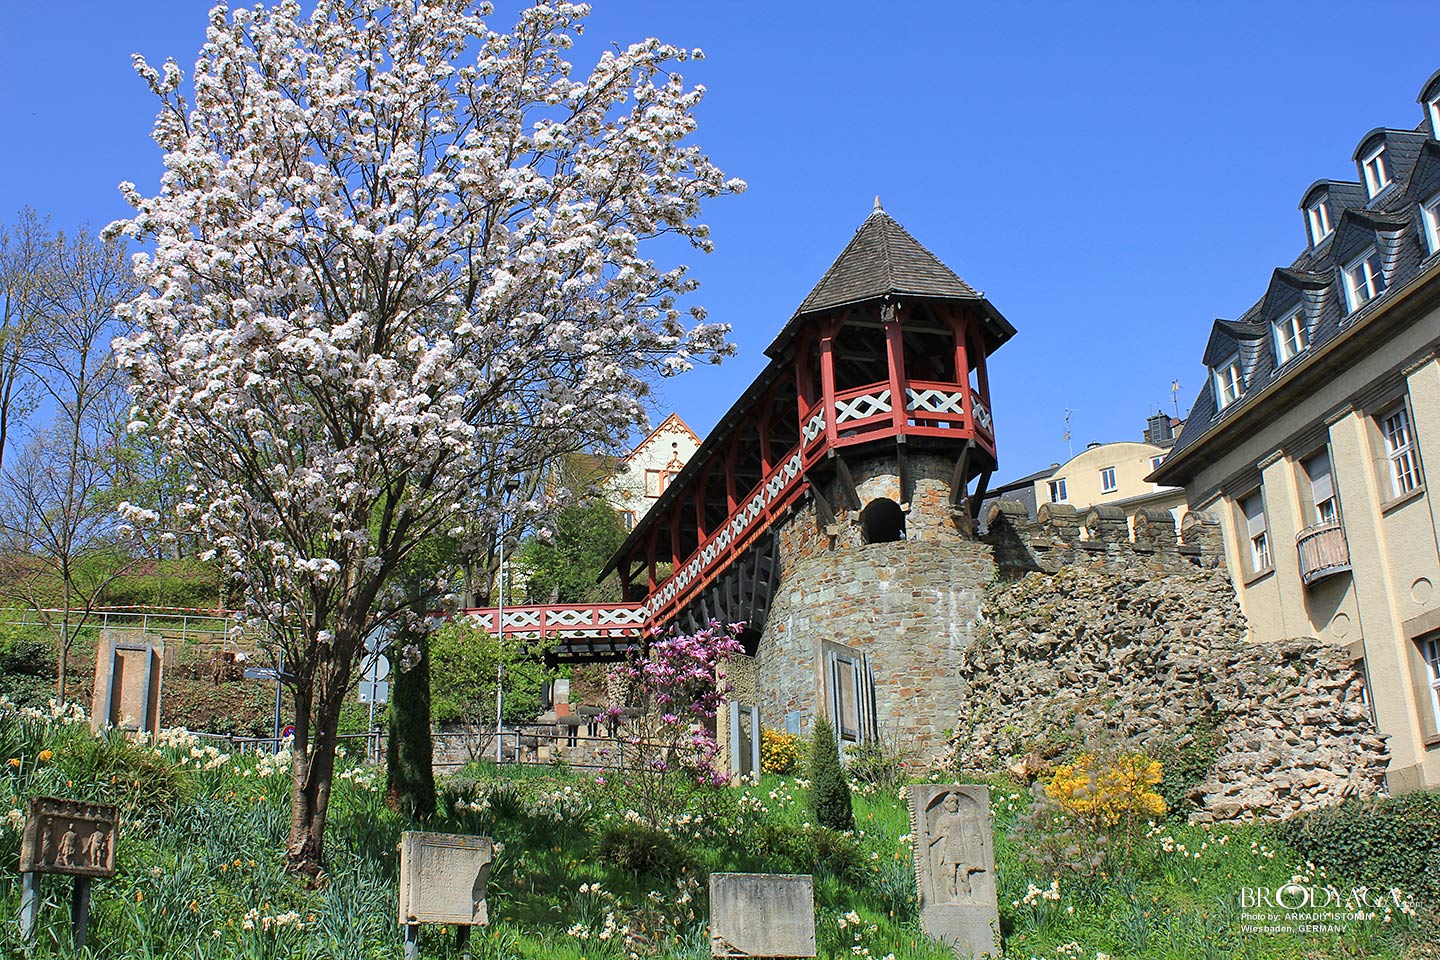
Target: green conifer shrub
[{"x": 829, "y": 792}]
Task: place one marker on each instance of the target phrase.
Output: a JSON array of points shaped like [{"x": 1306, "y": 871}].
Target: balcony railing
[{"x": 1323, "y": 551}]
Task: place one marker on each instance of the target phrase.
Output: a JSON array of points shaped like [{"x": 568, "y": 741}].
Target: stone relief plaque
[
  {"x": 762, "y": 915},
  {"x": 955, "y": 865},
  {"x": 70, "y": 837},
  {"x": 443, "y": 878}
]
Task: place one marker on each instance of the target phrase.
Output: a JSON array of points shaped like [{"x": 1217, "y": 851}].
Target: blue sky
[{"x": 1114, "y": 177}]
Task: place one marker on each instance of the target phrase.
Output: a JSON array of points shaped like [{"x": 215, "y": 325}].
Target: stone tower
[{"x": 832, "y": 509}]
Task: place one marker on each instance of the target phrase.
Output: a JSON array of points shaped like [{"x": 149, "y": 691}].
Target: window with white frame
[
  {"x": 1433, "y": 105},
  {"x": 1376, "y": 168},
  {"x": 1057, "y": 491},
  {"x": 1253, "y": 510},
  {"x": 1325, "y": 507},
  {"x": 1430, "y": 650},
  {"x": 1318, "y": 213},
  {"x": 1228, "y": 385},
  {"x": 1430, "y": 219},
  {"x": 1364, "y": 280},
  {"x": 1107, "y": 480},
  {"x": 658, "y": 481},
  {"x": 1291, "y": 336},
  {"x": 1400, "y": 450}
]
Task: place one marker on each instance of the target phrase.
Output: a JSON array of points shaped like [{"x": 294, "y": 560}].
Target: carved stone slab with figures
[
  {"x": 955, "y": 866},
  {"x": 69, "y": 837}
]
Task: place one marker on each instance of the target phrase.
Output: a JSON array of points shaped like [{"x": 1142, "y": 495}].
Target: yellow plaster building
[{"x": 1310, "y": 442}]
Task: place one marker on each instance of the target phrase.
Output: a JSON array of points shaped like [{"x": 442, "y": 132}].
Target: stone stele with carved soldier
[
  {"x": 955, "y": 866},
  {"x": 69, "y": 837}
]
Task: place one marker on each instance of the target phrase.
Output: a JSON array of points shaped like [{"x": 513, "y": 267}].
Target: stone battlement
[{"x": 1103, "y": 536}]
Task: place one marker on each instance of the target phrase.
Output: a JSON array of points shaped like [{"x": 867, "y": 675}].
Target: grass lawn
[{"x": 576, "y": 876}]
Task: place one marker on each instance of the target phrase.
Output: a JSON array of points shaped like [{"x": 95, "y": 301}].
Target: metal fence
[{"x": 530, "y": 745}]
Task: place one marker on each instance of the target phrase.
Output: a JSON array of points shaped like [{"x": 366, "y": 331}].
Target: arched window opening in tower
[{"x": 882, "y": 521}]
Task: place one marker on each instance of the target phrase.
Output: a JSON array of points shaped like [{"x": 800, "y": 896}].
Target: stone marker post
[
  {"x": 128, "y": 668},
  {"x": 442, "y": 880},
  {"x": 762, "y": 915},
  {"x": 71, "y": 838},
  {"x": 955, "y": 866}
]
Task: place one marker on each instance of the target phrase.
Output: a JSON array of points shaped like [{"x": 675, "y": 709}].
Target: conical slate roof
[{"x": 882, "y": 259}]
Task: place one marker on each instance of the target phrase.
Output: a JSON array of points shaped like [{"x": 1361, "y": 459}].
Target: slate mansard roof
[{"x": 1314, "y": 283}]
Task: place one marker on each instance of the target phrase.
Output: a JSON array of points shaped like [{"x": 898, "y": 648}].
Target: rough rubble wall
[{"x": 1138, "y": 655}]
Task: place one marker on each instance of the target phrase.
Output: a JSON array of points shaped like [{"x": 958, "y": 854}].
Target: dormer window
[
  {"x": 1228, "y": 385},
  {"x": 1376, "y": 168},
  {"x": 1318, "y": 214},
  {"x": 1430, "y": 220},
  {"x": 1364, "y": 280},
  {"x": 1291, "y": 337},
  {"x": 1432, "y": 106}
]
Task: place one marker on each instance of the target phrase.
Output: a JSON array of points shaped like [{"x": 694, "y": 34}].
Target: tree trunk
[
  {"x": 409, "y": 772},
  {"x": 315, "y": 744},
  {"x": 63, "y": 668}
]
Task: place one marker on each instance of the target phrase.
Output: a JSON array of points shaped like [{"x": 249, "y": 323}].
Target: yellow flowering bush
[
  {"x": 779, "y": 751},
  {"x": 1107, "y": 791}
]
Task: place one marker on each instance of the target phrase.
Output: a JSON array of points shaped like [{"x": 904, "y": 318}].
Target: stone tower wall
[{"x": 911, "y": 605}]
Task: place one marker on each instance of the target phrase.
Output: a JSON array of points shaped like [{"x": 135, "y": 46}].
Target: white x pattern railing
[{"x": 861, "y": 407}]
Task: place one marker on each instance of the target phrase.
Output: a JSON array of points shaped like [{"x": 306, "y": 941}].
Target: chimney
[{"x": 1158, "y": 431}]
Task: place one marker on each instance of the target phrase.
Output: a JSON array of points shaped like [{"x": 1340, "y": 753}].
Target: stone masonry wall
[
  {"x": 911, "y": 605},
  {"x": 741, "y": 678},
  {"x": 1097, "y": 653}
]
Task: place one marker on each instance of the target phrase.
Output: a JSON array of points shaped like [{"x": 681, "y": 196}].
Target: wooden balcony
[{"x": 1323, "y": 551}]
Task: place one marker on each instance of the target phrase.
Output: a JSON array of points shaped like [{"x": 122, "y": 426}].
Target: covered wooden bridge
[{"x": 885, "y": 358}]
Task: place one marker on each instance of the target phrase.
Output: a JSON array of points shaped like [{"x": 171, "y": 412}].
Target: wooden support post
[
  {"x": 960, "y": 479},
  {"x": 462, "y": 941},
  {"x": 979, "y": 494},
  {"x": 700, "y": 509},
  {"x": 824, "y": 514},
  {"x": 767, "y": 406},
  {"x": 675, "y": 542},
  {"x": 804, "y": 386},
  {"x": 902, "y": 467},
  {"x": 730, "y": 495},
  {"x": 650, "y": 555},
  {"x": 29, "y": 907},
  {"x": 412, "y": 941},
  {"x": 979, "y": 341},
  {"x": 962, "y": 369},
  {"x": 827, "y": 379},
  {"x": 847, "y": 482},
  {"x": 626, "y": 572},
  {"x": 80, "y": 912},
  {"x": 895, "y": 362}
]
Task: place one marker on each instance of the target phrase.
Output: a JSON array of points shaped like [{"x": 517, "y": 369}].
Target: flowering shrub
[
  {"x": 1108, "y": 792},
  {"x": 780, "y": 752},
  {"x": 671, "y": 748},
  {"x": 1085, "y": 817}
]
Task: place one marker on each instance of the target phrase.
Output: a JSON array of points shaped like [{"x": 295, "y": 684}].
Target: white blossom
[{"x": 398, "y": 257}]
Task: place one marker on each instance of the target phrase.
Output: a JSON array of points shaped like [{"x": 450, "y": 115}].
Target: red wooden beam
[
  {"x": 827, "y": 377},
  {"x": 895, "y": 362}
]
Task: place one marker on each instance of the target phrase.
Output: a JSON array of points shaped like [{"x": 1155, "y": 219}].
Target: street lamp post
[{"x": 511, "y": 486}]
